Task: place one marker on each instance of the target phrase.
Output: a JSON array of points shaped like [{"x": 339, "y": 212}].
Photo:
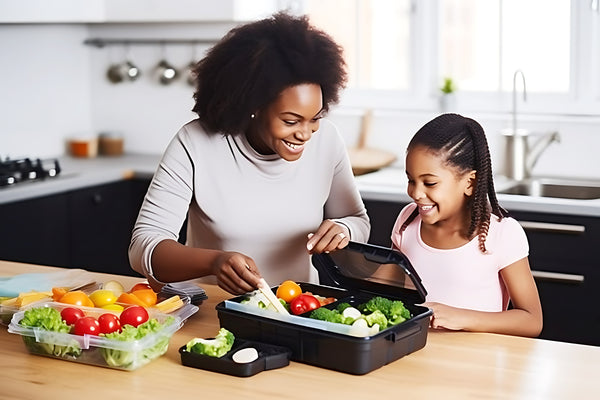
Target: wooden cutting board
[{"x": 366, "y": 159}]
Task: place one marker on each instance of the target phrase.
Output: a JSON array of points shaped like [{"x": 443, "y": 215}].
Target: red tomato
[
  {"x": 71, "y": 314},
  {"x": 304, "y": 303},
  {"x": 134, "y": 315},
  {"x": 109, "y": 323},
  {"x": 86, "y": 326},
  {"x": 140, "y": 286}
]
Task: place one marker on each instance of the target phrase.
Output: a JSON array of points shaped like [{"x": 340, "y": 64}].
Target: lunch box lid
[{"x": 371, "y": 268}]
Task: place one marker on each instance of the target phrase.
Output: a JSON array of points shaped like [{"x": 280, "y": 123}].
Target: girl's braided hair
[{"x": 462, "y": 143}]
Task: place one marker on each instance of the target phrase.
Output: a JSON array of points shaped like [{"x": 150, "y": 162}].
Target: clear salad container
[{"x": 126, "y": 352}]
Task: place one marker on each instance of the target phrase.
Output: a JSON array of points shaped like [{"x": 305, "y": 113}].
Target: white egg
[{"x": 246, "y": 355}]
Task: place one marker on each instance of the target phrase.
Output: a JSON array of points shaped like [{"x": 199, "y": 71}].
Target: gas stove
[{"x": 17, "y": 171}]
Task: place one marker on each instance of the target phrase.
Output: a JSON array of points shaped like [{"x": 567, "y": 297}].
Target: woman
[{"x": 263, "y": 180}]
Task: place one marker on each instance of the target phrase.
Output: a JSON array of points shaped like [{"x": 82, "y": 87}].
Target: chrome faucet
[
  {"x": 514, "y": 96},
  {"x": 520, "y": 157}
]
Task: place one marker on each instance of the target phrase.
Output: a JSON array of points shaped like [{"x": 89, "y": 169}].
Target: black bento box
[{"x": 354, "y": 275}]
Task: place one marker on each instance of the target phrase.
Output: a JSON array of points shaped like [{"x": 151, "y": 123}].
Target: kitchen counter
[
  {"x": 78, "y": 173},
  {"x": 388, "y": 184},
  {"x": 452, "y": 365}
]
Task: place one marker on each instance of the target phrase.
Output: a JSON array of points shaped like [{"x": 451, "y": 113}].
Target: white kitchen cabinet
[{"x": 136, "y": 11}]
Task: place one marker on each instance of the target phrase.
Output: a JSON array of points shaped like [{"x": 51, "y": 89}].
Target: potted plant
[{"x": 448, "y": 97}]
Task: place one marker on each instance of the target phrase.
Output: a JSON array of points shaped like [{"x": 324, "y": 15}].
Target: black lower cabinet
[
  {"x": 382, "y": 215},
  {"x": 87, "y": 228},
  {"x": 35, "y": 231},
  {"x": 101, "y": 222}
]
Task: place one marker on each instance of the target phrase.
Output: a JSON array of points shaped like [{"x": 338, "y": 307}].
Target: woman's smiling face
[
  {"x": 289, "y": 122},
  {"x": 439, "y": 189}
]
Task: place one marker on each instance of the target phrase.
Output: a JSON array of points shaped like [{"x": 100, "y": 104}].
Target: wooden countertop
[{"x": 452, "y": 365}]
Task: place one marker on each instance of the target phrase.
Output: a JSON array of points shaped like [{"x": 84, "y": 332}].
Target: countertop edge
[{"x": 384, "y": 185}]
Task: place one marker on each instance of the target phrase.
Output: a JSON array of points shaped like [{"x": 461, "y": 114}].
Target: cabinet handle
[
  {"x": 550, "y": 227},
  {"x": 557, "y": 277}
]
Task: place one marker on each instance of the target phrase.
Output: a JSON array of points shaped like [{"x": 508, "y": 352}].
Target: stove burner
[{"x": 26, "y": 169}]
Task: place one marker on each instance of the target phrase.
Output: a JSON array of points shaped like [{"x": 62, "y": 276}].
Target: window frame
[{"x": 583, "y": 97}]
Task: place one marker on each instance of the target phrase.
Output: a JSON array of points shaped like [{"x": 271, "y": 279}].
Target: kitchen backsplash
[{"x": 54, "y": 87}]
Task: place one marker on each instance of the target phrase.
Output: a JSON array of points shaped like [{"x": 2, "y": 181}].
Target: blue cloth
[{"x": 11, "y": 286}]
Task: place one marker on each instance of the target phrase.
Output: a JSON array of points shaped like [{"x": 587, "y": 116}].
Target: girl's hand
[
  {"x": 445, "y": 317},
  {"x": 236, "y": 273},
  {"x": 329, "y": 237}
]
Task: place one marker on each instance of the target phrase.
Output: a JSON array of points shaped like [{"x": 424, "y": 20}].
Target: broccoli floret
[
  {"x": 377, "y": 317},
  {"x": 217, "y": 347},
  {"x": 377, "y": 303},
  {"x": 394, "y": 310},
  {"x": 342, "y": 306},
  {"x": 325, "y": 314},
  {"x": 398, "y": 313}
]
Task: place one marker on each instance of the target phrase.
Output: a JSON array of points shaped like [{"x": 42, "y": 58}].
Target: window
[
  {"x": 375, "y": 35},
  {"x": 398, "y": 52}
]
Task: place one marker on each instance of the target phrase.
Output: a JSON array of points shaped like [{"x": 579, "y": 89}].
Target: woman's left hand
[{"x": 329, "y": 237}]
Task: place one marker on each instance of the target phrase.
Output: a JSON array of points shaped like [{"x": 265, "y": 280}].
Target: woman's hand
[
  {"x": 235, "y": 272},
  {"x": 329, "y": 237}
]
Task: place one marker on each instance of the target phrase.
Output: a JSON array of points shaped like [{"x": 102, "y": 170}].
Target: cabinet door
[
  {"x": 35, "y": 231},
  {"x": 101, "y": 223},
  {"x": 564, "y": 262}
]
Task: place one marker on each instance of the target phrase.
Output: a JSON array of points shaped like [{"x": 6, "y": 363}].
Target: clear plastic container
[{"x": 99, "y": 350}]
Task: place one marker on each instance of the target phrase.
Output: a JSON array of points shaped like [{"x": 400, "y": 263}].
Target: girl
[
  {"x": 471, "y": 257},
  {"x": 262, "y": 178}
]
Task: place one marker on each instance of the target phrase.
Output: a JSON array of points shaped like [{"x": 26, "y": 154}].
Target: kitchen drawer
[{"x": 561, "y": 243}]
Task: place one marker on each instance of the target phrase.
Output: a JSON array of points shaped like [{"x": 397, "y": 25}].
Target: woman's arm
[
  {"x": 523, "y": 319},
  {"x": 235, "y": 272}
]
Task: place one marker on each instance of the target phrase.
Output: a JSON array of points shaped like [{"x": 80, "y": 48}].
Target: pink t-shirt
[{"x": 464, "y": 277}]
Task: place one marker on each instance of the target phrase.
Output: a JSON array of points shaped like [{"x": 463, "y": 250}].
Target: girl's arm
[{"x": 523, "y": 319}]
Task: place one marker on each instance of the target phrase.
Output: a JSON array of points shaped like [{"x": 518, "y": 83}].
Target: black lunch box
[{"x": 354, "y": 275}]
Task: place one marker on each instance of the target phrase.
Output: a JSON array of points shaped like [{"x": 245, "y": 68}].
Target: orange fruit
[
  {"x": 148, "y": 296},
  {"x": 288, "y": 291},
  {"x": 58, "y": 292},
  {"x": 77, "y": 298},
  {"x": 128, "y": 298}
]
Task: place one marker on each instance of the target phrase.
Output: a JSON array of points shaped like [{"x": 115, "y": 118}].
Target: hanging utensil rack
[{"x": 98, "y": 42}]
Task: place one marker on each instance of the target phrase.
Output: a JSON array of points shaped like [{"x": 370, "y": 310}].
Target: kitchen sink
[{"x": 563, "y": 188}]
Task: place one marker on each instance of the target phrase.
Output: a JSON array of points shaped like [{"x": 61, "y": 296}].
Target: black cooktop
[{"x": 16, "y": 171}]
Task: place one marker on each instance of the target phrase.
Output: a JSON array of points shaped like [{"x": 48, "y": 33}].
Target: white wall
[
  {"x": 52, "y": 87},
  {"x": 44, "y": 87}
]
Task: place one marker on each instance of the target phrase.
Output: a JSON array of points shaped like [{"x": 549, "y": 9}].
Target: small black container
[
  {"x": 354, "y": 275},
  {"x": 269, "y": 357}
]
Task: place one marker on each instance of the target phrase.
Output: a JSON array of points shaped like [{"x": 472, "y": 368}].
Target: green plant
[{"x": 448, "y": 86}]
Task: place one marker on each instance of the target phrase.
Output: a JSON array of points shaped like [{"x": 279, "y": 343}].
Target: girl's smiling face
[
  {"x": 289, "y": 122},
  {"x": 440, "y": 190}
]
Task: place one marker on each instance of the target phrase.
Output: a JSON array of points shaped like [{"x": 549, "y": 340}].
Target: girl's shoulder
[
  {"x": 403, "y": 216},
  {"x": 507, "y": 227}
]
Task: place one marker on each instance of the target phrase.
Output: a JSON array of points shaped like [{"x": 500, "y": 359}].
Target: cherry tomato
[
  {"x": 134, "y": 316},
  {"x": 86, "y": 326},
  {"x": 71, "y": 314},
  {"x": 140, "y": 286},
  {"x": 304, "y": 303},
  {"x": 109, "y": 323},
  {"x": 288, "y": 291}
]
